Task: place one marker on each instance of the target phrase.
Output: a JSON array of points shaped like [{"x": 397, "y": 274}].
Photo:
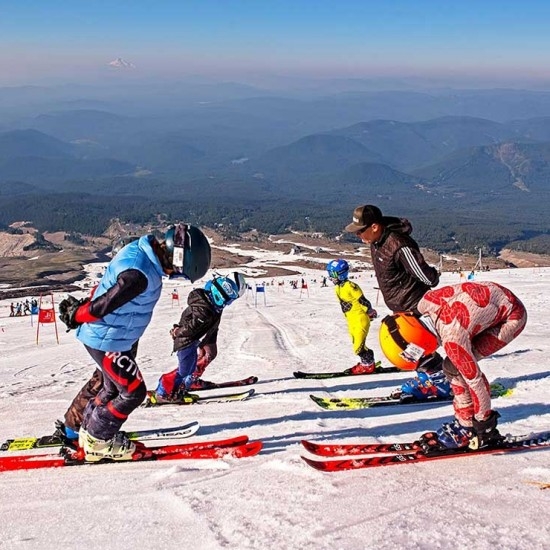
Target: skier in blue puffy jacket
[{"x": 110, "y": 324}]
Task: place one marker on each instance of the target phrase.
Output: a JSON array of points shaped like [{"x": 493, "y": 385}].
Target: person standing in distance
[
  {"x": 115, "y": 318},
  {"x": 403, "y": 277}
]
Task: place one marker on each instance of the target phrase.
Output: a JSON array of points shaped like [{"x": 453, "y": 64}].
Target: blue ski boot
[
  {"x": 426, "y": 386},
  {"x": 452, "y": 435}
]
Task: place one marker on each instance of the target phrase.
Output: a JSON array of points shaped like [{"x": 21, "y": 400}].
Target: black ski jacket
[
  {"x": 402, "y": 272},
  {"x": 199, "y": 320}
]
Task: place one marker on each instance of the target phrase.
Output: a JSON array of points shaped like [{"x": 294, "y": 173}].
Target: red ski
[
  {"x": 377, "y": 368},
  {"x": 351, "y": 449},
  {"x": 237, "y": 447},
  {"x": 410, "y": 454}
]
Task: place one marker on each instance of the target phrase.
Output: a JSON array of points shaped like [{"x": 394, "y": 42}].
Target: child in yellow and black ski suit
[{"x": 358, "y": 312}]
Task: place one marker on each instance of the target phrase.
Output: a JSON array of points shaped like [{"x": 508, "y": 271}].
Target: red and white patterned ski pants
[{"x": 473, "y": 320}]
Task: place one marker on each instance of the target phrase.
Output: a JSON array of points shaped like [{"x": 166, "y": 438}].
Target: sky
[
  {"x": 275, "y": 500},
  {"x": 494, "y": 40}
]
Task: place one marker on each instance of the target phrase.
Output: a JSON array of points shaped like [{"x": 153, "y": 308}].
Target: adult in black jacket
[{"x": 402, "y": 273}]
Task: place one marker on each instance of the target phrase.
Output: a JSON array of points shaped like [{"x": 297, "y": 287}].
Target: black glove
[
  {"x": 67, "y": 311},
  {"x": 174, "y": 331}
]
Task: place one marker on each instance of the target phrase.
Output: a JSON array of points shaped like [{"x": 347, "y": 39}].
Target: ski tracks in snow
[
  {"x": 28, "y": 379},
  {"x": 264, "y": 338}
]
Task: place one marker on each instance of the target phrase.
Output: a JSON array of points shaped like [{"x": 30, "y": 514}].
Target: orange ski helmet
[{"x": 405, "y": 340}]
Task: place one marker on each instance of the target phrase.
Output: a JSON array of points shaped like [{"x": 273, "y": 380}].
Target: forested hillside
[{"x": 280, "y": 163}]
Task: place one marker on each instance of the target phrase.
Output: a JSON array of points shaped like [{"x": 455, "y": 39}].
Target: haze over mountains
[{"x": 446, "y": 158}]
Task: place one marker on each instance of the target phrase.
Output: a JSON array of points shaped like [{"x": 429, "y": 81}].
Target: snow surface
[{"x": 275, "y": 500}]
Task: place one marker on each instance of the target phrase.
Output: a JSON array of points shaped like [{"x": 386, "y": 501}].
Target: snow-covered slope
[{"x": 275, "y": 500}]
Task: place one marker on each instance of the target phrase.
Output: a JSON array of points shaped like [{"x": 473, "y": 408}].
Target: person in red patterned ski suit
[{"x": 471, "y": 321}]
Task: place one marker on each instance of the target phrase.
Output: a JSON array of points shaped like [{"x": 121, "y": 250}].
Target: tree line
[{"x": 440, "y": 230}]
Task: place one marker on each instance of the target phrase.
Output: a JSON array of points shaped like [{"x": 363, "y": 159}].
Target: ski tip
[
  {"x": 252, "y": 448},
  {"x": 246, "y": 393},
  {"x": 238, "y": 396},
  {"x": 500, "y": 390},
  {"x": 317, "y": 465},
  {"x": 322, "y": 402},
  {"x": 241, "y": 396},
  {"x": 309, "y": 445},
  {"x": 189, "y": 425}
]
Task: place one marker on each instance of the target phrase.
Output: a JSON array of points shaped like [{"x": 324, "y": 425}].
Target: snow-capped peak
[{"x": 120, "y": 63}]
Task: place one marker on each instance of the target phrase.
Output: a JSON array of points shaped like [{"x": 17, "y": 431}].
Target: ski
[
  {"x": 510, "y": 444},
  {"x": 396, "y": 398},
  {"x": 351, "y": 449},
  {"x": 207, "y": 385},
  {"x": 238, "y": 447},
  {"x": 45, "y": 441},
  {"x": 239, "y": 396},
  {"x": 378, "y": 369},
  {"x": 355, "y": 403}
]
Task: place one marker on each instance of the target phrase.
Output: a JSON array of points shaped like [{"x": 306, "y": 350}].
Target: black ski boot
[
  {"x": 67, "y": 436},
  {"x": 486, "y": 433}
]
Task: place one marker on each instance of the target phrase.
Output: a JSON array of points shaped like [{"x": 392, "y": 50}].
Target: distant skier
[
  {"x": 110, "y": 324},
  {"x": 195, "y": 337},
  {"x": 471, "y": 321},
  {"x": 358, "y": 312}
]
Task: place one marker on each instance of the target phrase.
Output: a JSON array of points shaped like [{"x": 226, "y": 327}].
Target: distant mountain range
[
  {"x": 230, "y": 155},
  {"x": 38, "y": 158},
  {"x": 403, "y": 146}
]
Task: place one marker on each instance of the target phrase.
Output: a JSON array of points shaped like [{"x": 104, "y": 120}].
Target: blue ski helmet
[
  {"x": 188, "y": 251},
  {"x": 223, "y": 291},
  {"x": 338, "y": 270}
]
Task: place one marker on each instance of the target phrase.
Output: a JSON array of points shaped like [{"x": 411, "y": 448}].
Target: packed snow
[{"x": 275, "y": 500}]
